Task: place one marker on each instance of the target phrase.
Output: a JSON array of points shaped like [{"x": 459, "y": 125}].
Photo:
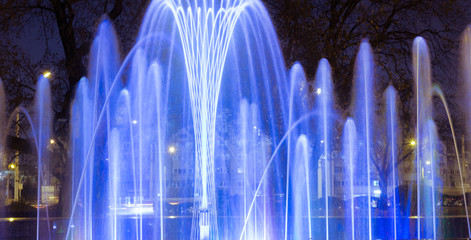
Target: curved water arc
[
  {"x": 438, "y": 92},
  {"x": 285, "y": 136},
  {"x": 36, "y": 144},
  {"x": 100, "y": 117}
]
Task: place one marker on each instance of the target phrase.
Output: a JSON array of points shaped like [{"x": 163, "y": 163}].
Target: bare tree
[
  {"x": 63, "y": 32},
  {"x": 312, "y": 29}
]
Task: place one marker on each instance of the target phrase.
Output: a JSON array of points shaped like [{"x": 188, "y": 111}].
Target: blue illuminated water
[
  {"x": 201, "y": 128},
  {"x": 392, "y": 130},
  {"x": 201, "y": 132},
  {"x": 350, "y": 157},
  {"x": 324, "y": 107}
]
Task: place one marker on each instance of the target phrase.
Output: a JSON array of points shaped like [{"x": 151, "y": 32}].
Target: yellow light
[
  {"x": 319, "y": 91},
  {"x": 412, "y": 143},
  {"x": 172, "y": 149},
  {"x": 52, "y": 141},
  {"x": 12, "y": 166},
  {"x": 11, "y": 219},
  {"x": 47, "y": 74}
]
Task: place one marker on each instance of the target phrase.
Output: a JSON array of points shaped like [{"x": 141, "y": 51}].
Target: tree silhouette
[
  {"x": 309, "y": 30},
  {"x": 64, "y": 31}
]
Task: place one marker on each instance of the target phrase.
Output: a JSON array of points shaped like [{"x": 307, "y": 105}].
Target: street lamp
[
  {"x": 318, "y": 91},
  {"x": 47, "y": 74},
  {"x": 12, "y": 166},
  {"x": 412, "y": 143},
  {"x": 172, "y": 149},
  {"x": 51, "y": 141}
]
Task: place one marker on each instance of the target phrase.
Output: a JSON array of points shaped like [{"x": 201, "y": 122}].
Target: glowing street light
[
  {"x": 12, "y": 166},
  {"x": 427, "y": 162},
  {"x": 47, "y": 74},
  {"x": 172, "y": 149},
  {"x": 11, "y": 219},
  {"x": 412, "y": 143},
  {"x": 52, "y": 141},
  {"x": 134, "y": 122},
  {"x": 318, "y": 91}
]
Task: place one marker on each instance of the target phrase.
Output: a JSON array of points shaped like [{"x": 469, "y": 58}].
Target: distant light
[
  {"x": 322, "y": 141},
  {"x": 412, "y": 143},
  {"x": 377, "y": 192},
  {"x": 172, "y": 149},
  {"x": 134, "y": 121},
  {"x": 12, "y": 166},
  {"x": 427, "y": 162},
  {"x": 11, "y": 219},
  {"x": 318, "y": 91},
  {"x": 52, "y": 141},
  {"x": 47, "y": 74}
]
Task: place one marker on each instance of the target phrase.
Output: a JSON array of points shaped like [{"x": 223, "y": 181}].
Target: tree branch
[{"x": 117, "y": 9}]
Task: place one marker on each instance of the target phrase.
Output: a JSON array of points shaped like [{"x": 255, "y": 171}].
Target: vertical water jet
[{"x": 364, "y": 113}]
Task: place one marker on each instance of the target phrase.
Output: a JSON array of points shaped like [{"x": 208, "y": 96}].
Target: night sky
[{"x": 308, "y": 30}]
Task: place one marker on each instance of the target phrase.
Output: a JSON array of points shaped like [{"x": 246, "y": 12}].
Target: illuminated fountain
[
  {"x": 201, "y": 133},
  {"x": 212, "y": 70},
  {"x": 202, "y": 115}
]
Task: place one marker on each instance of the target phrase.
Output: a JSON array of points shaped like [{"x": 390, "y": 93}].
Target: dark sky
[{"x": 36, "y": 35}]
